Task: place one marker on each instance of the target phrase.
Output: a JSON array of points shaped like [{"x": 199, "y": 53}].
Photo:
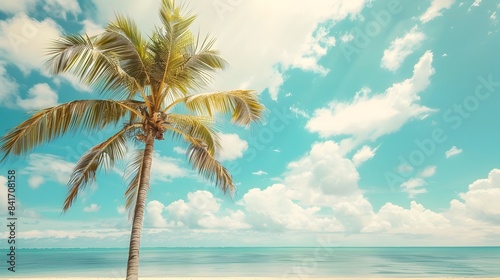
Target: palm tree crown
[{"x": 145, "y": 82}]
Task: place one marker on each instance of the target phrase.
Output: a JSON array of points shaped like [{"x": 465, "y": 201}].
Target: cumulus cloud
[
  {"x": 24, "y": 41},
  {"x": 401, "y": 48},
  {"x": 201, "y": 210},
  {"x": 259, "y": 173},
  {"x": 435, "y": 9},
  {"x": 232, "y": 145},
  {"x": 39, "y": 96},
  {"x": 273, "y": 209},
  {"x": 369, "y": 117},
  {"x": 396, "y": 219},
  {"x": 481, "y": 200},
  {"x": 453, "y": 151}
]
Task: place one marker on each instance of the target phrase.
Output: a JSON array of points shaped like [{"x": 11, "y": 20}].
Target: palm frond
[
  {"x": 133, "y": 176},
  {"x": 243, "y": 105},
  {"x": 50, "y": 123},
  {"x": 195, "y": 72},
  {"x": 207, "y": 166},
  {"x": 102, "y": 155},
  {"x": 169, "y": 46},
  {"x": 195, "y": 127},
  {"x": 134, "y": 58},
  {"x": 95, "y": 61}
]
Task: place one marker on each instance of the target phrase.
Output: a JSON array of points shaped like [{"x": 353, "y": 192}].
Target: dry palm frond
[
  {"x": 104, "y": 154},
  {"x": 209, "y": 167},
  {"x": 50, "y": 123},
  {"x": 133, "y": 176},
  {"x": 195, "y": 127},
  {"x": 242, "y": 104}
]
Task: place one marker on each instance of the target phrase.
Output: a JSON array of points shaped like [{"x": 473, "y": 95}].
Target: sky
[{"x": 381, "y": 127}]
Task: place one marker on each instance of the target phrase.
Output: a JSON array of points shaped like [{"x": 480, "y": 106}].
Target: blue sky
[{"x": 381, "y": 129}]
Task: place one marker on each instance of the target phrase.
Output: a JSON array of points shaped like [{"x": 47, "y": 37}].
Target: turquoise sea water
[{"x": 280, "y": 262}]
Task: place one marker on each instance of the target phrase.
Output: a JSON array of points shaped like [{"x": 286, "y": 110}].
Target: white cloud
[
  {"x": 475, "y": 4},
  {"x": 179, "y": 150},
  {"x": 14, "y": 7},
  {"x": 435, "y": 10},
  {"x": 31, "y": 214},
  {"x": 429, "y": 171},
  {"x": 268, "y": 37},
  {"x": 416, "y": 220},
  {"x": 166, "y": 169},
  {"x": 60, "y": 8},
  {"x": 35, "y": 181},
  {"x": 363, "y": 154},
  {"x": 299, "y": 112},
  {"x": 259, "y": 173},
  {"x": 273, "y": 209},
  {"x": 347, "y": 37},
  {"x": 154, "y": 218},
  {"x": 9, "y": 87},
  {"x": 202, "y": 210},
  {"x": 480, "y": 202},
  {"x": 369, "y": 117},
  {"x": 39, "y": 96},
  {"x": 324, "y": 177},
  {"x": 121, "y": 209},
  {"x": 401, "y": 48},
  {"x": 91, "y": 28},
  {"x": 46, "y": 166},
  {"x": 232, "y": 147},
  {"x": 453, "y": 151},
  {"x": 325, "y": 170},
  {"x": 24, "y": 41},
  {"x": 493, "y": 16},
  {"x": 414, "y": 186},
  {"x": 277, "y": 150},
  {"x": 92, "y": 208}
]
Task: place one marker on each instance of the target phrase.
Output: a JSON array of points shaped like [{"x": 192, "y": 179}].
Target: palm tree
[{"x": 149, "y": 85}]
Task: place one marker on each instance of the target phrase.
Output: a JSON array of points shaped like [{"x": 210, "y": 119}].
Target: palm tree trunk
[{"x": 135, "y": 235}]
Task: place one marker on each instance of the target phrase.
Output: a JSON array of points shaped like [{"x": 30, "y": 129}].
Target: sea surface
[{"x": 294, "y": 263}]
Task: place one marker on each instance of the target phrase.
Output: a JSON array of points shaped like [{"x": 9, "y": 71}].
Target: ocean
[{"x": 290, "y": 262}]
